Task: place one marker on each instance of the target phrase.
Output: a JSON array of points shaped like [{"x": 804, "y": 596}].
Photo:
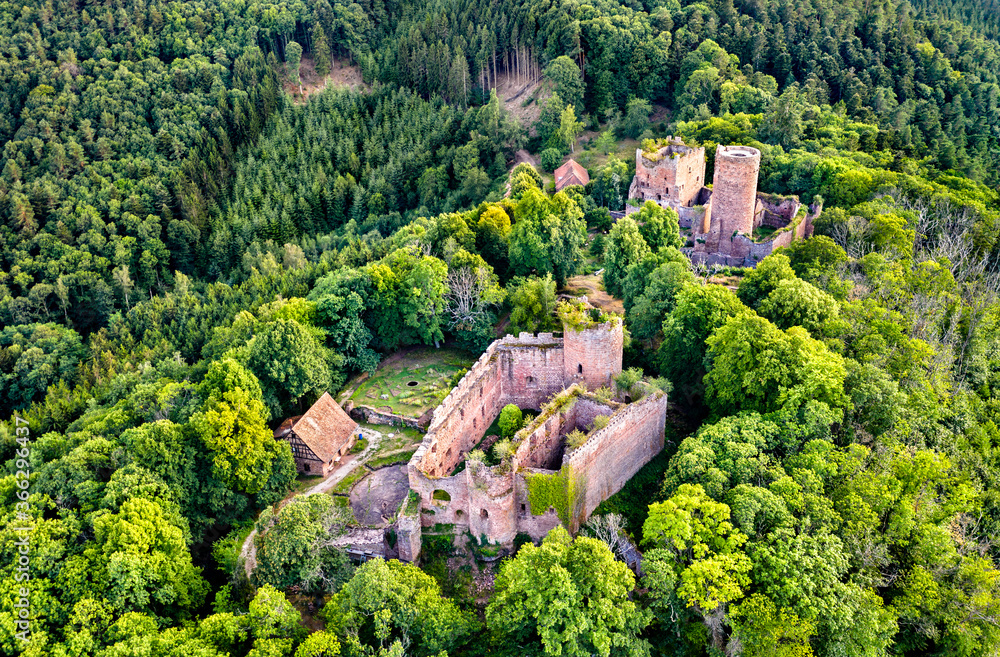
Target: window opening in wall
[
  {"x": 484, "y": 514},
  {"x": 461, "y": 413},
  {"x": 459, "y": 514},
  {"x": 434, "y": 448},
  {"x": 441, "y": 495},
  {"x": 524, "y": 508},
  {"x": 448, "y": 453},
  {"x": 579, "y": 368},
  {"x": 306, "y": 467}
]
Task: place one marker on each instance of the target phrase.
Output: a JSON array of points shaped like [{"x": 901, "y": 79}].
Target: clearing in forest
[
  {"x": 593, "y": 288},
  {"x": 342, "y": 74},
  {"x": 413, "y": 382}
]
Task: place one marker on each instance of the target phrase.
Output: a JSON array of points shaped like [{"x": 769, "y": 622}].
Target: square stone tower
[{"x": 671, "y": 176}]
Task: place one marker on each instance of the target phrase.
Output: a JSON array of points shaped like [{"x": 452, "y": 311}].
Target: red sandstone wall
[
  {"x": 597, "y": 351},
  {"x": 614, "y": 454},
  {"x": 491, "y": 504},
  {"x": 531, "y": 369},
  {"x": 534, "y": 526},
  {"x": 670, "y": 180}
]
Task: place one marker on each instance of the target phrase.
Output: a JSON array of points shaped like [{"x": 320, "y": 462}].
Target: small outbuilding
[
  {"x": 320, "y": 437},
  {"x": 571, "y": 173}
]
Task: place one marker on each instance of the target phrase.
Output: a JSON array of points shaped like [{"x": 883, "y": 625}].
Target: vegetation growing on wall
[
  {"x": 578, "y": 316},
  {"x": 563, "y": 491}
]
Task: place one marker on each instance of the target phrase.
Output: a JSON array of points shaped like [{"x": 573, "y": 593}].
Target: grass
[
  {"x": 304, "y": 482},
  {"x": 401, "y": 457},
  {"x": 763, "y": 232},
  {"x": 359, "y": 446},
  {"x": 431, "y": 370},
  {"x": 402, "y": 437},
  {"x": 347, "y": 482}
]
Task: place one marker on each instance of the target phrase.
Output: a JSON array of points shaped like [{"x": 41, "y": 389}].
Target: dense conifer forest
[{"x": 193, "y": 248}]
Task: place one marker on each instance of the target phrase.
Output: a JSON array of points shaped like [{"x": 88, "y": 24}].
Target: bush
[
  {"x": 550, "y": 159},
  {"x": 576, "y": 439},
  {"x": 511, "y": 420}
]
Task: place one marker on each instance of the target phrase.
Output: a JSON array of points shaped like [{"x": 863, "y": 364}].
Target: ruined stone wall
[
  {"x": 593, "y": 356},
  {"x": 612, "y": 455},
  {"x": 673, "y": 179},
  {"x": 734, "y": 196},
  {"x": 777, "y": 211},
  {"x": 541, "y": 446},
  {"x": 534, "y": 526},
  {"x": 491, "y": 503},
  {"x": 524, "y": 371},
  {"x": 362, "y": 413},
  {"x": 531, "y": 369},
  {"x": 408, "y": 534},
  {"x": 527, "y": 370}
]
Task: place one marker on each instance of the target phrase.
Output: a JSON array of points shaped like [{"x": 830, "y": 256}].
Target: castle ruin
[
  {"x": 730, "y": 223},
  {"x": 545, "y": 480}
]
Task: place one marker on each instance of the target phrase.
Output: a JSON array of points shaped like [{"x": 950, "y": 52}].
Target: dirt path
[{"x": 248, "y": 554}]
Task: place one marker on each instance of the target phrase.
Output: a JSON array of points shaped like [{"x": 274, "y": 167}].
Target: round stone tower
[
  {"x": 734, "y": 193},
  {"x": 592, "y": 354}
]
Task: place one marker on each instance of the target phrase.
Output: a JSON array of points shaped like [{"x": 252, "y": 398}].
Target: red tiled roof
[
  {"x": 571, "y": 173},
  {"x": 325, "y": 427}
]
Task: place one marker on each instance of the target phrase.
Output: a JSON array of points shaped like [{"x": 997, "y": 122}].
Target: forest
[{"x": 193, "y": 248}]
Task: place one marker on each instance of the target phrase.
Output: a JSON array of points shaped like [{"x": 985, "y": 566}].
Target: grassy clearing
[
  {"x": 401, "y": 457},
  {"x": 593, "y": 287},
  {"x": 305, "y": 482},
  {"x": 347, "y": 482},
  {"x": 593, "y": 159},
  {"x": 402, "y": 437},
  {"x": 414, "y": 382}
]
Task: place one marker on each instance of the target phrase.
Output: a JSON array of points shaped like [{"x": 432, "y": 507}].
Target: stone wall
[
  {"x": 673, "y": 178},
  {"x": 460, "y": 421},
  {"x": 612, "y": 455},
  {"x": 534, "y": 526},
  {"x": 531, "y": 369},
  {"x": 408, "y": 534},
  {"x": 527, "y": 370},
  {"x": 362, "y": 413},
  {"x": 698, "y": 217},
  {"x": 776, "y": 211},
  {"x": 593, "y": 356}
]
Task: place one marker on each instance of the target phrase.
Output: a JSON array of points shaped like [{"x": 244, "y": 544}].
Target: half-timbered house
[{"x": 320, "y": 437}]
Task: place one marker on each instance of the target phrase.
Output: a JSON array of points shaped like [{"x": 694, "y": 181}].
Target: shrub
[
  {"x": 511, "y": 420},
  {"x": 576, "y": 439},
  {"x": 550, "y": 159}
]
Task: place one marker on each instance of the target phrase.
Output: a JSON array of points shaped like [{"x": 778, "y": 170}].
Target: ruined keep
[
  {"x": 730, "y": 223},
  {"x": 672, "y": 176},
  {"x": 545, "y": 480}
]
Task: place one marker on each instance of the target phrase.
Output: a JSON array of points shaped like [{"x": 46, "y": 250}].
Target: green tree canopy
[{"x": 571, "y": 596}]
